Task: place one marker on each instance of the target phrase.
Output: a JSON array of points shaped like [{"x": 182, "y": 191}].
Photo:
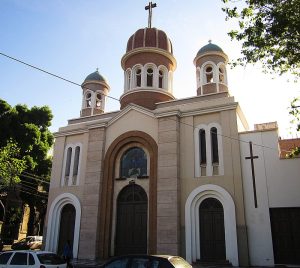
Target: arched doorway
[
  {"x": 212, "y": 235},
  {"x": 131, "y": 229},
  {"x": 67, "y": 224}
]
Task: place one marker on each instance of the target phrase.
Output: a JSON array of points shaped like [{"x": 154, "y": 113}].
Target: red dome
[{"x": 149, "y": 37}]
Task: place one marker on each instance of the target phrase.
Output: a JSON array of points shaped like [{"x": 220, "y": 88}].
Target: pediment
[{"x": 128, "y": 109}]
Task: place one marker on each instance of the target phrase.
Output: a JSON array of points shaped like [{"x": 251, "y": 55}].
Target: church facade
[{"x": 165, "y": 175}]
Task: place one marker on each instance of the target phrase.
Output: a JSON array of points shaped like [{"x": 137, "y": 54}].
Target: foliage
[
  {"x": 28, "y": 129},
  {"x": 11, "y": 166},
  {"x": 269, "y": 31},
  {"x": 295, "y": 112}
]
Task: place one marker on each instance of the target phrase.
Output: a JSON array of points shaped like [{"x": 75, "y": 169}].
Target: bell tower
[
  {"x": 94, "y": 91},
  {"x": 211, "y": 73}
]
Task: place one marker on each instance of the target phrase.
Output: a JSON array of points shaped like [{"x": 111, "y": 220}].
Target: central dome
[{"x": 149, "y": 37}]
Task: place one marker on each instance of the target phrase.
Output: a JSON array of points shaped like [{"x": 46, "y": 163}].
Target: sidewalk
[{"x": 86, "y": 263}]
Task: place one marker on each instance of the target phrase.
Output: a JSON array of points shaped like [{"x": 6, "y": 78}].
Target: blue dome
[
  {"x": 95, "y": 76},
  {"x": 209, "y": 48}
]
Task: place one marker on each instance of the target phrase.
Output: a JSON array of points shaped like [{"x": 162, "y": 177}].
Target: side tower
[
  {"x": 148, "y": 66},
  {"x": 94, "y": 91},
  {"x": 211, "y": 74}
]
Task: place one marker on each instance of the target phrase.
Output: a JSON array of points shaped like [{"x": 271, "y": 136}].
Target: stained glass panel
[{"x": 133, "y": 163}]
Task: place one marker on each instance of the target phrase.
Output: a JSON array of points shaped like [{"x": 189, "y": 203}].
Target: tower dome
[
  {"x": 148, "y": 66},
  {"x": 95, "y": 89},
  {"x": 149, "y": 37},
  {"x": 211, "y": 73},
  {"x": 95, "y": 76}
]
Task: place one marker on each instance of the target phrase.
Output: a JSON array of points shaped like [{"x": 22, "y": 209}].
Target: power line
[
  {"x": 30, "y": 177},
  {"x": 52, "y": 74},
  {"x": 74, "y": 83}
]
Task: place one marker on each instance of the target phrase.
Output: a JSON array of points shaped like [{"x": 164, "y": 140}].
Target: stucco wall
[{"x": 277, "y": 185}]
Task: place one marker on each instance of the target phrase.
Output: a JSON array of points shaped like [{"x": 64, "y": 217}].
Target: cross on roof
[
  {"x": 149, "y": 7},
  {"x": 252, "y": 157}
]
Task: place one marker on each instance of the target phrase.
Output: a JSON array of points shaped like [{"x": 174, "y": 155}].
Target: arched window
[
  {"x": 221, "y": 75},
  {"x": 98, "y": 100},
  {"x": 133, "y": 163},
  {"x": 88, "y": 99},
  {"x": 209, "y": 74},
  {"x": 76, "y": 164},
  {"x": 214, "y": 145},
  {"x": 127, "y": 79},
  {"x": 138, "y": 77},
  {"x": 68, "y": 162},
  {"x": 149, "y": 77},
  {"x": 71, "y": 165},
  {"x": 202, "y": 145},
  {"x": 160, "y": 79}
]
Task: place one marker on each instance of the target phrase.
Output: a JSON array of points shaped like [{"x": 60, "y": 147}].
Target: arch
[
  {"x": 192, "y": 232},
  {"x": 220, "y": 146},
  {"x": 128, "y": 80},
  {"x": 87, "y": 99},
  {"x": 71, "y": 165},
  {"x": 162, "y": 77},
  {"x": 222, "y": 74},
  {"x": 147, "y": 142},
  {"x": 53, "y": 223},
  {"x": 210, "y": 167},
  {"x": 207, "y": 76},
  {"x": 99, "y": 100},
  {"x": 137, "y": 76}
]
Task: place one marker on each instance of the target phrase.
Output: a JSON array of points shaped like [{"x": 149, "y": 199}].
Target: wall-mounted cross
[
  {"x": 252, "y": 157},
  {"x": 149, "y": 7}
]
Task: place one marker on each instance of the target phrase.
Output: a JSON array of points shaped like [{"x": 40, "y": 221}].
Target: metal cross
[
  {"x": 149, "y": 7},
  {"x": 252, "y": 157}
]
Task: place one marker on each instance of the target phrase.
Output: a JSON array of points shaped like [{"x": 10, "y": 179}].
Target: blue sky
[{"x": 73, "y": 38}]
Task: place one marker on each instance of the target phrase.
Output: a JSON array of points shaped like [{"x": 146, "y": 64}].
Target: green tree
[
  {"x": 11, "y": 166},
  {"x": 29, "y": 129},
  {"x": 270, "y": 33},
  {"x": 295, "y": 112}
]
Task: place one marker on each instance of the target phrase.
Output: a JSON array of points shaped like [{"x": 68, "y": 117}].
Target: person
[{"x": 68, "y": 253}]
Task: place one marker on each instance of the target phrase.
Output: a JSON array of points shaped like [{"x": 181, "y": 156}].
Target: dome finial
[
  {"x": 209, "y": 41},
  {"x": 97, "y": 70}
]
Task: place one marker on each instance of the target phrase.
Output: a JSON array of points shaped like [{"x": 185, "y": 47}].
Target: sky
[{"x": 71, "y": 38}]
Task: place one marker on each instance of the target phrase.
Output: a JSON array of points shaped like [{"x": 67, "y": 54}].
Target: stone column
[
  {"x": 168, "y": 208},
  {"x": 91, "y": 194}
]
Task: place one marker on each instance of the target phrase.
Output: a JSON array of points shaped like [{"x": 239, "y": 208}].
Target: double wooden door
[
  {"x": 131, "y": 229},
  {"x": 212, "y": 236},
  {"x": 67, "y": 224},
  {"x": 285, "y": 224}
]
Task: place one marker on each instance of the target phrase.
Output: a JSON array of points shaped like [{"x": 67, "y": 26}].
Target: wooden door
[
  {"x": 285, "y": 225},
  {"x": 212, "y": 236},
  {"x": 131, "y": 229},
  {"x": 66, "y": 230}
]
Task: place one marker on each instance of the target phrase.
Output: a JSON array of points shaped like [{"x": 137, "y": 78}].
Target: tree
[
  {"x": 11, "y": 166},
  {"x": 270, "y": 33},
  {"x": 28, "y": 129},
  {"x": 295, "y": 112}
]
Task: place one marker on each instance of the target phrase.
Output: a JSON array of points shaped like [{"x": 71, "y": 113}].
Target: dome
[
  {"x": 149, "y": 37},
  {"x": 209, "y": 48},
  {"x": 95, "y": 76}
]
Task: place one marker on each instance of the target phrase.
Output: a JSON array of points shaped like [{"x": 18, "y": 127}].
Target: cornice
[
  {"x": 211, "y": 53},
  {"x": 150, "y": 90},
  {"x": 148, "y": 50}
]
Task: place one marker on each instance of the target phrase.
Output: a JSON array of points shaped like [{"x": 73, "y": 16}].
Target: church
[{"x": 172, "y": 176}]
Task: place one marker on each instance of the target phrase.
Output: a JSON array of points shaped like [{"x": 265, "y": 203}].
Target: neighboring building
[{"x": 166, "y": 175}]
